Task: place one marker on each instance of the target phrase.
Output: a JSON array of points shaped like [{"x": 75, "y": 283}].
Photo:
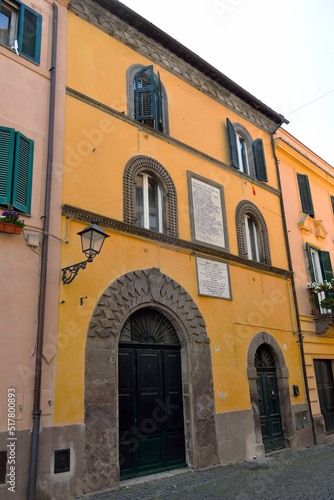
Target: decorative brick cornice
[
  {"x": 115, "y": 225},
  {"x": 136, "y": 40}
]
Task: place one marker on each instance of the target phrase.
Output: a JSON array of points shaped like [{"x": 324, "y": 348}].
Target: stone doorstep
[
  {"x": 278, "y": 452},
  {"x": 144, "y": 479}
]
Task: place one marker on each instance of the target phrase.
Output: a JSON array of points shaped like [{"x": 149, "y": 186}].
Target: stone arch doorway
[
  {"x": 151, "y": 289},
  {"x": 266, "y": 343},
  {"x": 269, "y": 401}
]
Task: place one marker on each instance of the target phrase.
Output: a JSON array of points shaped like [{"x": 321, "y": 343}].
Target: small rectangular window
[
  {"x": 16, "y": 165},
  {"x": 20, "y": 29}
]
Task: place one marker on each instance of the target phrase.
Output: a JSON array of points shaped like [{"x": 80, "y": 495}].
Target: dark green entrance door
[
  {"x": 325, "y": 386},
  {"x": 269, "y": 405},
  {"x": 151, "y": 428}
]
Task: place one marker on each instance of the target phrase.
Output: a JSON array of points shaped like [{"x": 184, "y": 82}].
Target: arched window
[
  {"x": 246, "y": 155},
  {"x": 149, "y": 196},
  {"x": 252, "y": 238},
  {"x": 252, "y": 233},
  {"x": 147, "y": 97}
]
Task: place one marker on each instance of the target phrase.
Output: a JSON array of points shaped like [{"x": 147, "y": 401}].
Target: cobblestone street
[{"x": 293, "y": 475}]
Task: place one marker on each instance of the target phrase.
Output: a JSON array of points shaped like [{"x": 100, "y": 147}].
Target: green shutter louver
[
  {"x": 160, "y": 126},
  {"x": 22, "y": 177},
  {"x": 29, "y": 33},
  {"x": 310, "y": 263},
  {"x": 260, "y": 161},
  {"x": 233, "y": 143},
  {"x": 305, "y": 194},
  {"x": 144, "y": 94},
  {"x": 7, "y": 140}
]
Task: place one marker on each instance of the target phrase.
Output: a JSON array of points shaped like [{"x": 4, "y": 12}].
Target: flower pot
[
  {"x": 311, "y": 290},
  {"x": 315, "y": 311},
  {"x": 7, "y": 227}
]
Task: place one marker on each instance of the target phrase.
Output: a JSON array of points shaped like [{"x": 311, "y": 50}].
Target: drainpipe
[
  {"x": 44, "y": 261},
  {"x": 300, "y": 336}
]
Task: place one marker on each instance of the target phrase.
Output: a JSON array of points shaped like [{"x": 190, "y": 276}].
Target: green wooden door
[
  {"x": 325, "y": 386},
  {"x": 269, "y": 404},
  {"x": 151, "y": 426}
]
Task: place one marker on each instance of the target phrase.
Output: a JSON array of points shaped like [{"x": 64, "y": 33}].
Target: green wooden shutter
[
  {"x": 326, "y": 265},
  {"x": 161, "y": 125},
  {"x": 332, "y": 200},
  {"x": 7, "y": 140},
  {"x": 144, "y": 94},
  {"x": 310, "y": 263},
  {"x": 29, "y": 33},
  {"x": 260, "y": 161},
  {"x": 22, "y": 176},
  {"x": 305, "y": 194},
  {"x": 233, "y": 143}
]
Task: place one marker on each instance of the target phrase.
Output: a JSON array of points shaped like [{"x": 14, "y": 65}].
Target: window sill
[{"x": 13, "y": 53}]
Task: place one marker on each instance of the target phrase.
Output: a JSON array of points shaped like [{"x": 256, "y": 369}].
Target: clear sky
[{"x": 281, "y": 52}]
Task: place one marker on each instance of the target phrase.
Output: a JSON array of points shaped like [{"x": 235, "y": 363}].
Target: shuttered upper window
[
  {"x": 147, "y": 98},
  {"x": 305, "y": 194},
  {"x": 20, "y": 29},
  {"x": 16, "y": 164},
  {"x": 246, "y": 155}
]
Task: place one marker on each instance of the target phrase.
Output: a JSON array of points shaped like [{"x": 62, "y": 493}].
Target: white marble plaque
[
  {"x": 213, "y": 278},
  {"x": 208, "y": 214}
]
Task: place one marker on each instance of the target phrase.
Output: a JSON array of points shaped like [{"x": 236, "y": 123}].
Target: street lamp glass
[{"x": 92, "y": 238}]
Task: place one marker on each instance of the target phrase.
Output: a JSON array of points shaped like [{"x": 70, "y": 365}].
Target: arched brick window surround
[
  {"x": 247, "y": 207},
  {"x": 282, "y": 375},
  {"x": 147, "y": 164}
]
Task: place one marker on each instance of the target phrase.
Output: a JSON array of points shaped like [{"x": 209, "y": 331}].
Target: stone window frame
[
  {"x": 130, "y": 76},
  {"x": 133, "y": 167},
  {"x": 247, "y": 207},
  {"x": 243, "y": 132}
]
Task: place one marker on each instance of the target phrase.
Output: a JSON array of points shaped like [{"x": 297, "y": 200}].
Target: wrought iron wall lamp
[{"x": 92, "y": 239}]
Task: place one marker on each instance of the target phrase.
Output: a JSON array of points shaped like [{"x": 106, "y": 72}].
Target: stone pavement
[{"x": 292, "y": 475}]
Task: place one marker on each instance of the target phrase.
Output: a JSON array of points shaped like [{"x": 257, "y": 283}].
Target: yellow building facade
[
  {"x": 308, "y": 194},
  {"x": 177, "y": 345}
]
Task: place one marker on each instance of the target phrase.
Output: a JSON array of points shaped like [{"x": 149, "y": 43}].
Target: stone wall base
[
  {"x": 50, "y": 486},
  {"x": 323, "y": 437},
  {"x": 235, "y": 436}
]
